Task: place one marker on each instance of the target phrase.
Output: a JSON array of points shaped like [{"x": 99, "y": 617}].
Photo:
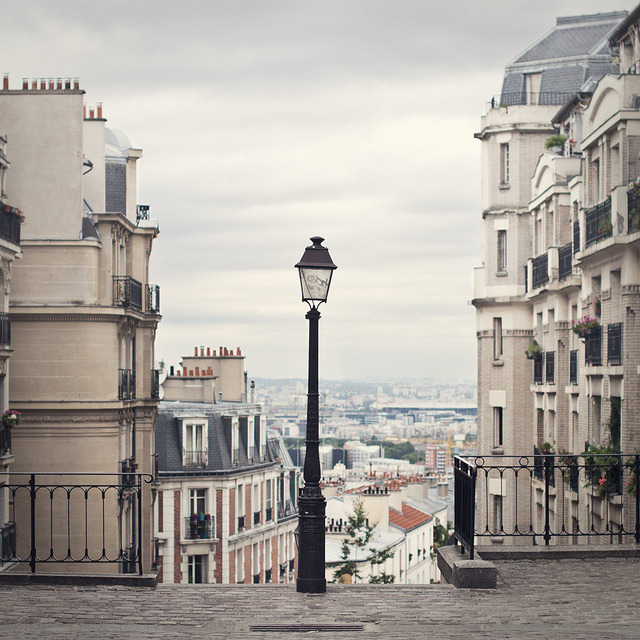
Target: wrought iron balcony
[
  {"x": 614, "y": 343},
  {"x": 533, "y": 98},
  {"x": 267, "y": 575},
  {"x": 142, "y": 212},
  {"x": 240, "y": 523},
  {"x": 195, "y": 459},
  {"x": 155, "y": 384},
  {"x": 540, "y": 270},
  {"x": 268, "y": 514},
  {"x": 5, "y": 330},
  {"x": 153, "y": 298},
  {"x": 256, "y": 517},
  {"x": 256, "y": 578},
  {"x": 538, "y": 366},
  {"x": 576, "y": 237},
  {"x": 593, "y": 347},
  {"x": 127, "y": 292},
  {"x": 126, "y": 384},
  {"x": 573, "y": 366},
  {"x": 9, "y": 223},
  {"x": 633, "y": 207},
  {"x": 565, "y": 267},
  {"x": 598, "y": 222},
  {"x": 550, "y": 361},
  {"x": 199, "y": 527}
]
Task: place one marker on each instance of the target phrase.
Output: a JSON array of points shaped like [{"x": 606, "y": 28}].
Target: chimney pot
[
  {"x": 197, "y": 371},
  {"x": 202, "y": 351},
  {"x": 195, "y": 352},
  {"x": 99, "y": 108},
  {"x": 208, "y": 351},
  {"x": 238, "y": 351},
  {"x": 76, "y": 84},
  {"x": 25, "y": 83},
  {"x": 5, "y": 82},
  {"x": 34, "y": 84},
  {"x": 43, "y": 84},
  {"x": 91, "y": 114},
  {"x": 59, "y": 84},
  {"x": 214, "y": 353},
  {"x": 84, "y": 110},
  {"x": 67, "y": 84},
  {"x": 52, "y": 84}
]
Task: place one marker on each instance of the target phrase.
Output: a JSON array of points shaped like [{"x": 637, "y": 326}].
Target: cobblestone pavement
[{"x": 543, "y": 599}]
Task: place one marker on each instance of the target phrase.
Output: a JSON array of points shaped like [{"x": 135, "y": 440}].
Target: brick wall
[
  {"x": 232, "y": 567},
  {"x": 218, "y": 553},
  {"x": 177, "y": 557},
  {"x": 232, "y": 511},
  {"x": 248, "y": 514},
  {"x": 275, "y": 567},
  {"x": 248, "y": 555}
]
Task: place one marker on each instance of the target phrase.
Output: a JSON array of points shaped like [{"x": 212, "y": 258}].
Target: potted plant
[
  {"x": 602, "y": 472},
  {"x": 11, "y": 418},
  {"x": 597, "y": 306},
  {"x": 546, "y": 448},
  {"x": 583, "y": 327},
  {"x": 631, "y": 484},
  {"x": 534, "y": 350},
  {"x": 554, "y": 142},
  {"x": 605, "y": 228}
]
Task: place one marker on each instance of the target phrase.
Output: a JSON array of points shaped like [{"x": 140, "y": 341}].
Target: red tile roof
[{"x": 410, "y": 518}]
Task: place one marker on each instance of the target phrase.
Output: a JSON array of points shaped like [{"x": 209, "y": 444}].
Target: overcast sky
[{"x": 265, "y": 123}]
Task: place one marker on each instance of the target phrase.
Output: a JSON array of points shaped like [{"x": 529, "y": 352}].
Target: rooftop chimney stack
[{"x": 5, "y": 82}]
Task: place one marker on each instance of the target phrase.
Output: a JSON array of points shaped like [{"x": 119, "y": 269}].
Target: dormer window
[{"x": 194, "y": 443}]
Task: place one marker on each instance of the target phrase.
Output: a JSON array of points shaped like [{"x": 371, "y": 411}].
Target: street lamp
[{"x": 316, "y": 269}]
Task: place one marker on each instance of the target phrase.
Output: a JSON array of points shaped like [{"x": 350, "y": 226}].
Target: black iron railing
[
  {"x": 543, "y": 98},
  {"x": 5, "y": 330},
  {"x": 576, "y": 237},
  {"x": 267, "y": 575},
  {"x": 540, "y": 270},
  {"x": 126, "y": 384},
  {"x": 593, "y": 347},
  {"x": 256, "y": 578},
  {"x": 142, "y": 212},
  {"x": 195, "y": 459},
  {"x": 573, "y": 366},
  {"x": 153, "y": 299},
  {"x": 565, "y": 256},
  {"x": 156, "y": 562},
  {"x": 538, "y": 496},
  {"x": 5, "y": 441},
  {"x": 614, "y": 343},
  {"x": 538, "y": 367},
  {"x": 155, "y": 384},
  {"x": 71, "y": 518},
  {"x": 464, "y": 480},
  {"x": 7, "y": 543},
  {"x": 199, "y": 527},
  {"x": 633, "y": 207},
  {"x": 256, "y": 517},
  {"x": 9, "y": 223},
  {"x": 292, "y": 564},
  {"x": 240, "y": 523},
  {"x": 598, "y": 222},
  {"x": 127, "y": 292},
  {"x": 550, "y": 362},
  {"x": 268, "y": 514}
]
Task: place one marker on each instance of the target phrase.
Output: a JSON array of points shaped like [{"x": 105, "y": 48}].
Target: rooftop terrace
[{"x": 542, "y": 599}]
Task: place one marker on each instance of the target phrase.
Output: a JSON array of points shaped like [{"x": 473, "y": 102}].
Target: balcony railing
[
  {"x": 256, "y": 578},
  {"x": 576, "y": 237},
  {"x": 547, "y": 511},
  {"x": 633, "y": 207},
  {"x": 155, "y": 384},
  {"x": 538, "y": 366},
  {"x": 9, "y": 224},
  {"x": 614, "y": 343},
  {"x": 126, "y": 384},
  {"x": 153, "y": 299},
  {"x": 127, "y": 292},
  {"x": 550, "y": 361},
  {"x": 268, "y": 514},
  {"x": 195, "y": 459},
  {"x": 565, "y": 267},
  {"x": 540, "y": 270},
  {"x": 142, "y": 212},
  {"x": 240, "y": 523},
  {"x": 267, "y": 575},
  {"x": 5, "y": 441},
  {"x": 573, "y": 366},
  {"x": 199, "y": 527},
  {"x": 292, "y": 564},
  {"x": 7, "y": 543},
  {"x": 5, "y": 330},
  {"x": 256, "y": 517},
  {"x": 598, "y": 222},
  {"x": 593, "y": 347},
  {"x": 543, "y": 98}
]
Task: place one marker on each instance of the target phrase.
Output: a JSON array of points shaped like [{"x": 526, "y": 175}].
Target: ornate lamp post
[{"x": 316, "y": 269}]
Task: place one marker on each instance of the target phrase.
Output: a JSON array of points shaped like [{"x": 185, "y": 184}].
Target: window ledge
[
  {"x": 503, "y": 186},
  {"x": 502, "y": 274},
  {"x": 497, "y": 451},
  {"x": 497, "y": 363}
]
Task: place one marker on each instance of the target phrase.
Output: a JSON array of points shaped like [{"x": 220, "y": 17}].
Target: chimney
[
  {"x": 91, "y": 114},
  {"x": 84, "y": 111},
  {"x": 43, "y": 84},
  {"x": 34, "y": 84},
  {"x": 25, "y": 84},
  {"x": 52, "y": 84},
  {"x": 76, "y": 85},
  {"x": 214, "y": 353},
  {"x": 202, "y": 352},
  {"x": 443, "y": 489},
  {"x": 5, "y": 82},
  {"x": 67, "y": 84},
  {"x": 59, "y": 84},
  {"x": 208, "y": 351},
  {"x": 238, "y": 351},
  {"x": 195, "y": 352},
  {"x": 197, "y": 371},
  {"x": 99, "y": 108},
  {"x": 171, "y": 370}
]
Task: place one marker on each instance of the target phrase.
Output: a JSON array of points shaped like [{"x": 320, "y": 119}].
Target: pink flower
[{"x": 602, "y": 480}]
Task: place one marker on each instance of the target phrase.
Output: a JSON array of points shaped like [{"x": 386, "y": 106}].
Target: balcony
[
  {"x": 573, "y": 366},
  {"x": 256, "y": 578},
  {"x": 593, "y": 347},
  {"x": 5, "y": 330},
  {"x": 633, "y": 207},
  {"x": 576, "y": 237},
  {"x": 5, "y": 441},
  {"x": 240, "y": 523},
  {"x": 550, "y": 361},
  {"x": 127, "y": 292},
  {"x": 199, "y": 527},
  {"x": 598, "y": 223},
  {"x": 155, "y": 384},
  {"x": 195, "y": 459},
  {"x": 565, "y": 267},
  {"x": 532, "y": 98},
  {"x": 256, "y": 517},
  {"x": 614, "y": 343},
  {"x": 7, "y": 542},
  {"x": 538, "y": 365},
  {"x": 9, "y": 223},
  {"x": 268, "y": 514},
  {"x": 153, "y": 299},
  {"x": 142, "y": 212},
  {"x": 126, "y": 384},
  {"x": 540, "y": 271}
]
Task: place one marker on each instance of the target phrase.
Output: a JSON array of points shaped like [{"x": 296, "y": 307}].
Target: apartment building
[
  {"x": 84, "y": 316},
  {"x": 565, "y": 375},
  {"x": 227, "y": 489}
]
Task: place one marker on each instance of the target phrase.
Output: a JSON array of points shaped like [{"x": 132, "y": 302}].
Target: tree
[{"x": 359, "y": 534}]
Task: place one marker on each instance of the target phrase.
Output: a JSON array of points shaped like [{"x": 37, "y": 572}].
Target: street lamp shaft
[{"x": 312, "y": 457}]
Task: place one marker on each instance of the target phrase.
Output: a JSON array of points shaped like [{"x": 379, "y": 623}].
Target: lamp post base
[{"x": 311, "y": 558}]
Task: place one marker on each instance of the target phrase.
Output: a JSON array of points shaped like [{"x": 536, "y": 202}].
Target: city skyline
[{"x": 264, "y": 123}]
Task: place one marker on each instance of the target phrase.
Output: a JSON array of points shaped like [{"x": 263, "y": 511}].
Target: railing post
[
  {"x": 32, "y": 494},
  {"x": 636, "y": 471},
  {"x": 548, "y": 470},
  {"x": 140, "y": 524}
]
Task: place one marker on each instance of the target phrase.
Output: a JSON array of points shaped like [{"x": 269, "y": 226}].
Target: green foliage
[
  {"x": 555, "y": 141},
  {"x": 534, "y": 349},
  {"x": 440, "y": 535},
  {"x": 400, "y": 450}
]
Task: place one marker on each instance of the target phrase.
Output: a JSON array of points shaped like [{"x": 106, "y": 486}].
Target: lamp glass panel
[{"x": 315, "y": 283}]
